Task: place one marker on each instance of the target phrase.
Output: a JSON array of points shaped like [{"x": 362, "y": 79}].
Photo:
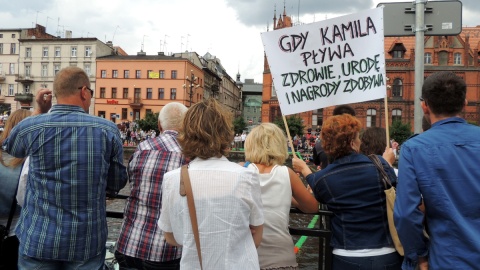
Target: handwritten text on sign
[{"x": 336, "y": 61}]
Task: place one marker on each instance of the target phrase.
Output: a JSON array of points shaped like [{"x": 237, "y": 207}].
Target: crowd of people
[{"x": 191, "y": 208}]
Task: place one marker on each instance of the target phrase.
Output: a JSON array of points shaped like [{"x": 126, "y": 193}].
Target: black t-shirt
[{"x": 319, "y": 156}]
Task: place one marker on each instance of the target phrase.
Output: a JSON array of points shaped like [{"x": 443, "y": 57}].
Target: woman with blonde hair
[
  {"x": 265, "y": 153},
  {"x": 10, "y": 168},
  {"x": 226, "y": 195},
  {"x": 353, "y": 190}
]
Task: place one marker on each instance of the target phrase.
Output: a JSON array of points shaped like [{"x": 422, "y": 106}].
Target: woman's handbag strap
[
  {"x": 186, "y": 189},
  {"x": 376, "y": 161}
]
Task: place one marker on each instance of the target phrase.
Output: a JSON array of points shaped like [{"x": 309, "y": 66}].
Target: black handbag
[{"x": 4, "y": 230}]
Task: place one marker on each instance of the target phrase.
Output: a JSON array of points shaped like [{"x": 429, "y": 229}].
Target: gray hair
[{"x": 171, "y": 116}]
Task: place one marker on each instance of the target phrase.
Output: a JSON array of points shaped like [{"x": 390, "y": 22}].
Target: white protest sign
[{"x": 336, "y": 61}]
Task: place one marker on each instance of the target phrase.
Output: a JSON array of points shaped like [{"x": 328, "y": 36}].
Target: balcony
[
  {"x": 135, "y": 103},
  {"x": 24, "y": 98},
  {"x": 24, "y": 79}
]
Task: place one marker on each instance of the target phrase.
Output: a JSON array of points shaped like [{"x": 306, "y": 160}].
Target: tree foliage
[
  {"x": 295, "y": 125},
  {"x": 239, "y": 124},
  {"x": 149, "y": 122},
  {"x": 400, "y": 131}
]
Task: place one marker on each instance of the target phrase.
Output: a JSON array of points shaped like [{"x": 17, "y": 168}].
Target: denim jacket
[{"x": 353, "y": 190}]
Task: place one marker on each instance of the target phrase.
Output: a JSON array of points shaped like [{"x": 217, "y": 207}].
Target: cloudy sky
[{"x": 228, "y": 29}]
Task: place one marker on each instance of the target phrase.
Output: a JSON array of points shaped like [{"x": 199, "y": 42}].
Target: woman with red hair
[{"x": 352, "y": 189}]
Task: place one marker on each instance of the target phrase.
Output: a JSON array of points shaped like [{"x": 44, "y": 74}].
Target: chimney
[
  {"x": 161, "y": 53},
  {"x": 68, "y": 34},
  {"x": 109, "y": 44},
  {"x": 141, "y": 53}
]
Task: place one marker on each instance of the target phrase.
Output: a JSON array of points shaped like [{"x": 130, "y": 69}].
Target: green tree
[
  {"x": 239, "y": 124},
  {"x": 400, "y": 131},
  {"x": 295, "y": 125},
  {"x": 149, "y": 122}
]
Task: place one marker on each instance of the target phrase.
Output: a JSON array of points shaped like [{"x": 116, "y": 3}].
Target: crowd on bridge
[{"x": 191, "y": 208}]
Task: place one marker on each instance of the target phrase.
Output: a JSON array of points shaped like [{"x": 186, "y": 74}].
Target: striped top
[{"x": 75, "y": 159}]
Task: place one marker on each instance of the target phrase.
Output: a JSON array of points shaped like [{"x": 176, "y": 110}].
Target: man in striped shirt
[
  {"x": 76, "y": 160},
  {"x": 141, "y": 244}
]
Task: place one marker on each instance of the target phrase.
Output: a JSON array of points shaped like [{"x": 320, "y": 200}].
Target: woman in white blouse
[{"x": 227, "y": 196}]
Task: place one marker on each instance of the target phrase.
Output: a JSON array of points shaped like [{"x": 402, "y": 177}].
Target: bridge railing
[{"x": 323, "y": 233}]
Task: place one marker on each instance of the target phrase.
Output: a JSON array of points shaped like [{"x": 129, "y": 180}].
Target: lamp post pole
[{"x": 192, "y": 79}]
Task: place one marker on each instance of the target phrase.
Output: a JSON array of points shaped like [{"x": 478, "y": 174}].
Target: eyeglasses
[{"x": 91, "y": 91}]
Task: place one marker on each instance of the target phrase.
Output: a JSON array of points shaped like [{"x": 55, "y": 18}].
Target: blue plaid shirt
[{"x": 75, "y": 159}]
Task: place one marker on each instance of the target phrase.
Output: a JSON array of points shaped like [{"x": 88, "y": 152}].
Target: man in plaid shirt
[
  {"x": 76, "y": 160},
  {"x": 141, "y": 244}
]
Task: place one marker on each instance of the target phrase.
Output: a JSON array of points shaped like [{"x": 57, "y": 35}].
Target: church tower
[{"x": 270, "y": 106}]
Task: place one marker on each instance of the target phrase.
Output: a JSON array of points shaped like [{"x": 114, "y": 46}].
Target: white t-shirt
[{"x": 227, "y": 200}]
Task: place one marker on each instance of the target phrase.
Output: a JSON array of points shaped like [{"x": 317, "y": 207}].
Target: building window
[
  {"x": 44, "y": 70},
  {"x": 13, "y": 48},
  {"x": 150, "y": 74},
  {"x": 103, "y": 73},
  {"x": 149, "y": 93},
  {"x": 10, "y": 89},
  {"x": 174, "y": 74},
  {"x": 428, "y": 58},
  {"x": 27, "y": 88},
  {"x": 114, "y": 73},
  {"x": 138, "y": 74},
  {"x": 457, "y": 58},
  {"x": 125, "y": 92},
  {"x": 126, "y": 74},
  {"x": 443, "y": 58},
  {"x": 397, "y": 88},
  {"x": 396, "y": 115},
  {"x": 397, "y": 54},
  {"x": 88, "y": 51},
  {"x": 1, "y": 48},
  {"x": 102, "y": 92},
  {"x": 74, "y": 52},
  {"x": 124, "y": 113},
  {"x": 28, "y": 70},
  {"x": 13, "y": 35},
  {"x": 1, "y": 35},
  {"x": 173, "y": 93},
  {"x": 28, "y": 52},
  {"x": 162, "y": 74},
  {"x": 45, "y": 52},
  {"x": 161, "y": 93},
  {"x": 114, "y": 92},
  {"x": 88, "y": 69},
  {"x": 371, "y": 118},
  {"x": 57, "y": 52},
  {"x": 12, "y": 68},
  {"x": 136, "y": 95},
  {"x": 101, "y": 114},
  {"x": 56, "y": 69}
]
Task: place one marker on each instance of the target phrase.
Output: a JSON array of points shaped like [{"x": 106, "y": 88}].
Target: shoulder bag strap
[
  {"x": 12, "y": 212},
  {"x": 376, "y": 161},
  {"x": 187, "y": 190}
]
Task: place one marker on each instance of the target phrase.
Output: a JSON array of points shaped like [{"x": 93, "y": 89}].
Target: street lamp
[{"x": 192, "y": 79}]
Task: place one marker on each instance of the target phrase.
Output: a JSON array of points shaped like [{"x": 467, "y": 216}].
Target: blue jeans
[
  {"x": 127, "y": 262},
  {"x": 392, "y": 261},
  {"x": 29, "y": 263}
]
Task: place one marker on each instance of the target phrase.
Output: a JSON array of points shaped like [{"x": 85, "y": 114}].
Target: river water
[{"x": 307, "y": 256}]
